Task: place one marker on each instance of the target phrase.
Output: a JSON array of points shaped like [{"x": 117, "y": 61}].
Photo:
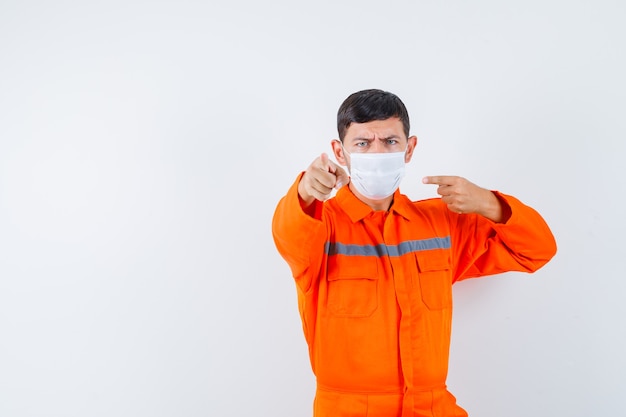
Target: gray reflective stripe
[{"x": 336, "y": 248}]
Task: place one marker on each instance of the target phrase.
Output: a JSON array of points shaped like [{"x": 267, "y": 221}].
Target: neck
[{"x": 376, "y": 205}]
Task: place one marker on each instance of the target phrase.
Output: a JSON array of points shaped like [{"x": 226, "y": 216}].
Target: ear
[
  {"x": 338, "y": 152},
  {"x": 410, "y": 147}
]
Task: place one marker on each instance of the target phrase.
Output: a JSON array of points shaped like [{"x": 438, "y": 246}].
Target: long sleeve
[
  {"x": 299, "y": 237},
  {"x": 523, "y": 243}
]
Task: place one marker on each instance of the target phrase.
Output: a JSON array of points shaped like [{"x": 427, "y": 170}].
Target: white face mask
[{"x": 376, "y": 175}]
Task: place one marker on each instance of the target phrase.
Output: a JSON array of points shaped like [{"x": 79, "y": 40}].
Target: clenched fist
[{"x": 320, "y": 178}]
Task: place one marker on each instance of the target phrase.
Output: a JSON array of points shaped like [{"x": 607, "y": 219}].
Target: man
[{"x": 374, "y": 271}]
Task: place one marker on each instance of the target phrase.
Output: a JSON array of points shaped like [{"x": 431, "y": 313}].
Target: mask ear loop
[{"x": 344, "y": 157}]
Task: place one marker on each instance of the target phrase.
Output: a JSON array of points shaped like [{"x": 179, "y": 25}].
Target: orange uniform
[{"x": 375, "y": 293}]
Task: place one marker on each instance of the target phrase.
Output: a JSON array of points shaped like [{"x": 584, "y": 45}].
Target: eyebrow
[{"x": 371, "y": 139}]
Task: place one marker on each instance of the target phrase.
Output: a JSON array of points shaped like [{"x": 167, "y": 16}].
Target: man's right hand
[{"x": 320, "y": 178}]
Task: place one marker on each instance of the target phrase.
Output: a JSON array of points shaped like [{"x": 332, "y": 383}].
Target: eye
[
  {"x": 392, "y": 142},
  {"x": 361, "y": 144}
]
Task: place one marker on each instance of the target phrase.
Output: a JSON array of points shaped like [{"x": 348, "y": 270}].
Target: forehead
[{"x": 375, "y": 129}]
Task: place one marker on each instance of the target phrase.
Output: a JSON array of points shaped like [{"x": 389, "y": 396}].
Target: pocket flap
[{"x": 433, "y": 260}]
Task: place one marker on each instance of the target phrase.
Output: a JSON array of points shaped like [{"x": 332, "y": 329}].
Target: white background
[{"x": 144, "y": 146}]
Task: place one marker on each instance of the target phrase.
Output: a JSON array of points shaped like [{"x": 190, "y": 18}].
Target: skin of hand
[
  {"x": 320, "y": 178},
  {"x": 464, "y": 197}
]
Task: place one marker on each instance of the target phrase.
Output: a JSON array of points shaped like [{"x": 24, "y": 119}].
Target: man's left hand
[{"x": 464, "y": 197}]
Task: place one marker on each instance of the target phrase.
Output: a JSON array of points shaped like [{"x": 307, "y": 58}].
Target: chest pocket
[
  {"x": 352, "y": 286},
  {"x": 435, "y": 279}
]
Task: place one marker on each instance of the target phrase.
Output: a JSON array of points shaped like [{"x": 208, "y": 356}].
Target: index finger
[
  {"x": 440, "y": 179},
  {"x": 324, "y": 159},
  {"x": 327, "y": 164}
]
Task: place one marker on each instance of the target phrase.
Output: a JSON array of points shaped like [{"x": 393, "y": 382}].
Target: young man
[{"x": 374, "y": 271}]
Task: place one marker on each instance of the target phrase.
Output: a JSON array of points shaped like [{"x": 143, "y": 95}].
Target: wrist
[
  {"x": 305, "y": 198},
  {"x": 492, "y": 208}
]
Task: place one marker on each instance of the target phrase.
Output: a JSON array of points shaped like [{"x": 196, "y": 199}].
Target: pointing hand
[
  {"x": 464, "y": 197},
  {"x": 320, "y": 178}
]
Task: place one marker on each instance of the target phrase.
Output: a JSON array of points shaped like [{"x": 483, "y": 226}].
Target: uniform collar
[{"x": 357, "y": 210}]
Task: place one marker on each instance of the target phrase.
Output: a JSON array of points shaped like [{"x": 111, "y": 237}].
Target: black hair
[{"x": 367, "y": 105}]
